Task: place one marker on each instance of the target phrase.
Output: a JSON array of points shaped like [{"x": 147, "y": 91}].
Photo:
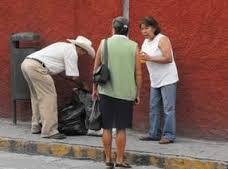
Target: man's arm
[
  {"x": 76, "y": 80},
  {"x": 79, "y": 83}
]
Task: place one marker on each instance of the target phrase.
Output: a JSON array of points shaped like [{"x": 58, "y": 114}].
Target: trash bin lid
[{"x": 25, "y": 36}]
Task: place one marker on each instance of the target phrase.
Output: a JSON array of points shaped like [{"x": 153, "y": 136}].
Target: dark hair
[
  {"x": 150, "y": 21},
  {"x": 120, "y": 24}
]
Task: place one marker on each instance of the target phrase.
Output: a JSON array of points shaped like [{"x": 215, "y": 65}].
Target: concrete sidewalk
[{"x": 183, "y": 154}]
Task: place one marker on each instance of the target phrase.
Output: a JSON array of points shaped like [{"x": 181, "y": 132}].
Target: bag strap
[{"x": 105, "y": 52}]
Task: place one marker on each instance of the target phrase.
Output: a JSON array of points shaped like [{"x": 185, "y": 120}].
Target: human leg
[
  {"x": 44, "y": 88},
  {"x": 120, "y": 148},
  {"x": 26, "y": 67},
  {"x": 107, "y": 143},
  {"x": 120, "y": 144},
  {"x": 155, "y": 109},
  {"x": 48, "y": 106},
  {"x": 169, "y": 106}
]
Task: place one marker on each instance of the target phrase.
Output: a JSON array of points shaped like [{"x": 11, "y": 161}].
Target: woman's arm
[
  {"x": 97, "y": 63},
  {"x": 166, "y": 49},
  {"x": 138, "y": 75}
]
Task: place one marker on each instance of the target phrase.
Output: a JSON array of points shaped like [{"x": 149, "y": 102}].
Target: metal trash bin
[{"x": 19, "y": 87}]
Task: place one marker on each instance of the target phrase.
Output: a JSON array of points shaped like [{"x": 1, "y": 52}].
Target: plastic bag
[
  {"x": 85, "y": 98},
  {"x": 72, "y": 118},
  {"x": 95, "y": 117}
]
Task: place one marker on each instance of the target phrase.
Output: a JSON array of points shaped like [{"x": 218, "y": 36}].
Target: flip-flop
[
  {"x": 109, "y": 165},
  {"x": 123, "y": 165},
  {"x": 165, "y": 141}
]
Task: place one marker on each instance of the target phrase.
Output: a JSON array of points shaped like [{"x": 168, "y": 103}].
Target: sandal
[
  {"x": 123, "y": 165},
  {"x": 165, "y": 141},
  {"x": 109, "y": 165}
]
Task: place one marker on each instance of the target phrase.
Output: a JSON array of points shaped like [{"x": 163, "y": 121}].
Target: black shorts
[{"x": 116, "y": 113}]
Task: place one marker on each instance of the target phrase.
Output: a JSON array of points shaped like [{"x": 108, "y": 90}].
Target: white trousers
[{"x": 43, "y": 97}]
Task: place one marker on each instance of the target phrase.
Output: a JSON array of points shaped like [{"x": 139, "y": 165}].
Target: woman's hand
[
  {"x": 144, "y": 56},
  {"x": 137, "y": 100}
]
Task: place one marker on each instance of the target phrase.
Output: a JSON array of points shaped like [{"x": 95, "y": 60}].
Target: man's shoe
[
  {"x": 165, "y": 141},
  {"x": 36, "y": 129},
  {"x": 56, "y": 136},
  {"x": 36, "y": 132},
  {"x": 148, "y": 138}
]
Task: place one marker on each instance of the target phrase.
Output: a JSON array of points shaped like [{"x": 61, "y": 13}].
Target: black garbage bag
[
  {"x": 72, "y": 118},
  {"x": 85, "y": 98},
  {"x": 93, "y": 114},
  {"x": 76, "y": 117}
]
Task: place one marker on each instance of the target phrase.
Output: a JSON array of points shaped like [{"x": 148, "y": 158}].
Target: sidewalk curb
[{"x": 74, "y": 151}]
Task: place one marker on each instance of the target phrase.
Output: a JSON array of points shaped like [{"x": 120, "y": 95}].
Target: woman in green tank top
[{"x": 118, "y": 95}]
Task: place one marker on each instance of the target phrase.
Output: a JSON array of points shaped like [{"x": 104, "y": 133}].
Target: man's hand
[
  {"x": 86, "y": 87},
  {"x": 94, "y": 94},
  {"x": 80, "y": 84}
]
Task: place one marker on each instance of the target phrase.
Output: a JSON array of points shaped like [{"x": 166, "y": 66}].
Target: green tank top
[{"x": 121, "y": 64}]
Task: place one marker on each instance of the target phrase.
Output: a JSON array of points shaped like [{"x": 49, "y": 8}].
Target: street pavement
[
  {"x": 23, "y": 161},
  {"x": 185, "y": 153},
  {"x": 183, "y": 147}
]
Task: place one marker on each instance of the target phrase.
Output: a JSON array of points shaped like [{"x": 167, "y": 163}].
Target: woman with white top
[{"x": 158, "y": 54}]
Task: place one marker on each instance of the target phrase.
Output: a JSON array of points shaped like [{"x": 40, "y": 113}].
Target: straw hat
[{"x": 84, "y": 43}]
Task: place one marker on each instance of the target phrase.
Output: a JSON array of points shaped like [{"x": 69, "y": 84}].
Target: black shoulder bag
[{"x": 101, "y": 74}]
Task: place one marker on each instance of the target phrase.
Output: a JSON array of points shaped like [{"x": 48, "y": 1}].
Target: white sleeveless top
[{"x": 160, "y": 74}]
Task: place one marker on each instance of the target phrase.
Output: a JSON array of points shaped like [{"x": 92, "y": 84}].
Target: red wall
[
  {"x": 198, "y": 31},
  {"x": 199, "y": 34},
  {"x": 54, "y": 21}
]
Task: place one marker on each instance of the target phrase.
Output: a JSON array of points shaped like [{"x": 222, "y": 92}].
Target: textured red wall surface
[
  {"x": 54, "y": 21},
  {"x": 43, "y": 17},
  {"x": 198, "y": 31}
]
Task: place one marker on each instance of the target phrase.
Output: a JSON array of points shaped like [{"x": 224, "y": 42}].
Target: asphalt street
[{"x": 23, "y": 161}]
